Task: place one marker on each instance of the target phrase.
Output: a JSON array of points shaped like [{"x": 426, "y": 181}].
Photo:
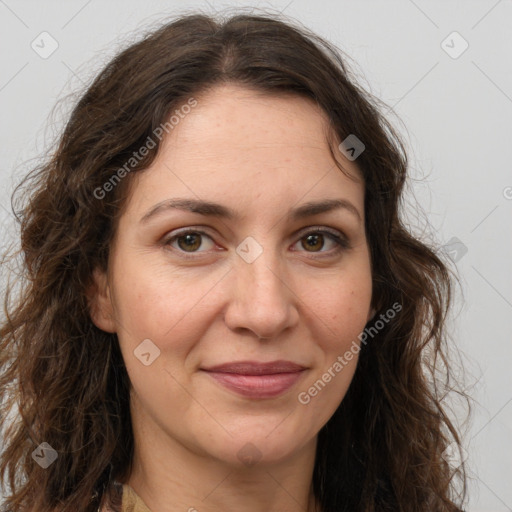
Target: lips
[
  {"x": 257, "y": 379},
  {"x": 257, "y": 368}
]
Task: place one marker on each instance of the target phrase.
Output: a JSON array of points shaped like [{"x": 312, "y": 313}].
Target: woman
[{"x": 223, "y": 309}]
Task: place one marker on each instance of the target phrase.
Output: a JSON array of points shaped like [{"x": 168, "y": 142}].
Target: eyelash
[{"x": 340, "y": 240}]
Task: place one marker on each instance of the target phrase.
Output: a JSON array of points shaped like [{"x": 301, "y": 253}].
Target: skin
[{"x": 260, "y": 155}]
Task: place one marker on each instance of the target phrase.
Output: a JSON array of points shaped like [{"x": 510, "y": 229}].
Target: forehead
[
  {"x": 237, "y": 119},
  {"x": 238, "y": 145}
]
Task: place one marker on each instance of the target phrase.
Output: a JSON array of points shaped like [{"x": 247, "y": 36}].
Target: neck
[{"x": 170, "y": 477}]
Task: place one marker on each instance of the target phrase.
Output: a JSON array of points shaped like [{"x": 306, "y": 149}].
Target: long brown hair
[{"x": 64, "y": 379}]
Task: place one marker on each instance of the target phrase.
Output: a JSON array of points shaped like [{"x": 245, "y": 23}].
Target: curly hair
[{"x": 63, "y": 381}]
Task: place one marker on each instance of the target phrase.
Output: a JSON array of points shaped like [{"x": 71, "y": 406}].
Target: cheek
[
  {"x": 341, "y": 307},
  {"x": 155, "y": 302},
  {"x": 167, "y": 309},
  {"x": 340, "y": 313}
]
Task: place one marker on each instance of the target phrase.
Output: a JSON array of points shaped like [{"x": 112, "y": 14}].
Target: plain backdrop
[{"x": 444, "y": 70}]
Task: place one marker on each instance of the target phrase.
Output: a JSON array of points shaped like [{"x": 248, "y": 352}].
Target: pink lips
[{"x": 257, "y": 380}]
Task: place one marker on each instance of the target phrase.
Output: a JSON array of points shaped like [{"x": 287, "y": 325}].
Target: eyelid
[
  {"x": 168, "y": 239},
  {"x": 323, "y": 229},
  {"x": 337, "y": 236}
]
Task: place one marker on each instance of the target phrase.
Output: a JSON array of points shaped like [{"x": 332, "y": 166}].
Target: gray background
[{"x": 456, "y": 113}]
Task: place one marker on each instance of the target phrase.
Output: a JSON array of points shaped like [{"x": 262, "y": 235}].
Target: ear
[{"x": 100, "y": 304}]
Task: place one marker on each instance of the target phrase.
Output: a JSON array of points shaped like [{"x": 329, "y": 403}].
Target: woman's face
[{"x": 204, "y": 298}]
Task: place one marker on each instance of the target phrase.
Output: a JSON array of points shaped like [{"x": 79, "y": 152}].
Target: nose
[{"x": 262, "y": 298}]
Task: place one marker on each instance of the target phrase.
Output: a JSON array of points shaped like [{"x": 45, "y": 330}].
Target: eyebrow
[{"x": 211, "y": 209}]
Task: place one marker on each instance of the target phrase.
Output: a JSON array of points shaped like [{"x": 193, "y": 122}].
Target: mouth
[{"x": 257, "y": 380}]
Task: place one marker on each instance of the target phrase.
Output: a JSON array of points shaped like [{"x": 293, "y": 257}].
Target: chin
[{"x": 259, "y": 448}]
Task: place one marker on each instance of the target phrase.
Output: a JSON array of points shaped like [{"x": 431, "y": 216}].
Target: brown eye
[
  {"x": 314, "y": 241},
  {"x": 188, "y": 241}
]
